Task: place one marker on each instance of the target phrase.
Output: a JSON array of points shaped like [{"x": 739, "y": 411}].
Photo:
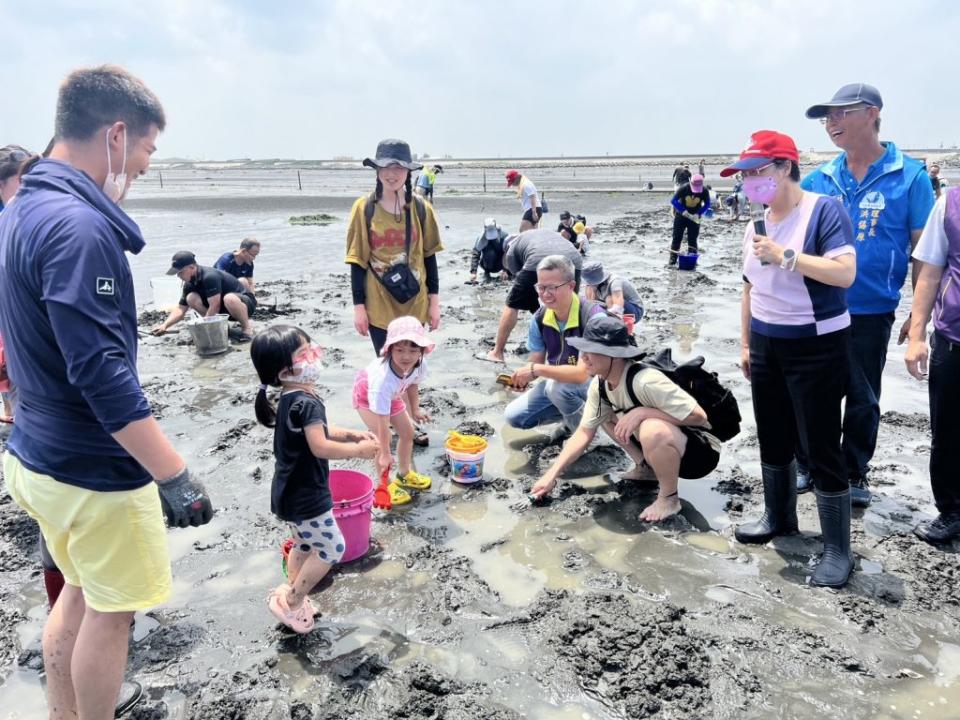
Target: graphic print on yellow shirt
[{"x": 383, "y": 247}]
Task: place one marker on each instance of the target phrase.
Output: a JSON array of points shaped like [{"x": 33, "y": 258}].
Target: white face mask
[
  {"x": 115, "y": 186},
  {"x": 307, "y": 373}
]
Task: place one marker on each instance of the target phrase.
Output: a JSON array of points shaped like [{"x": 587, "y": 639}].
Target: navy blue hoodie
[{"x": 69, "y": 322}]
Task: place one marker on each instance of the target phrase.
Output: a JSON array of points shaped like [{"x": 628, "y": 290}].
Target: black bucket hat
[
  {"x": 392, "y": 152},
  {"x": 606, "y": 335}
]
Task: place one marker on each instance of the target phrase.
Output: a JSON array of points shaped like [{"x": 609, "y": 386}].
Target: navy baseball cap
[{"x": 853, "y": 94}]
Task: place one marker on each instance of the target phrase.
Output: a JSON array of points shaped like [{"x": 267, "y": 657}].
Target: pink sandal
[{"x": 299, "y": 620}]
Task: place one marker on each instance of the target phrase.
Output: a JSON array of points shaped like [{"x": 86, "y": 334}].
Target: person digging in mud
[
  {"x": 209, "y": 292},
  {"x": 529, "y": 200},
  {"x": 795, "y": 337},
  {"x": 618, "y": 295},
  {"x": 690, "y": 203},
  {"x": 387, "y": 392},
  {"x": 938, "y": 292},
  {"x": 574, "y": 228},
  {"x": 667, "y": 432},
  {"x": 488, "y": 253},
  {"x": 562, "y": 390},
  {"x": 86, "y": 459},
  {"x": 427, "y": 181},
  {"x": 523, "y": 253},
  {"x": 239, "y": 263},
  {"x": 303, "y": 444}
]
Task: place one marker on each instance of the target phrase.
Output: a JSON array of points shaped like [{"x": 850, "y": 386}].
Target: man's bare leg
[
  {"x": 640, "y": 469},
  {"x": 508, "y": 321},
  {"x": 59, "y": 638},
  {"x": 238, "y": 311},
  {"x": 663, "y": 446},
  {"x": 99, "y": 661}
]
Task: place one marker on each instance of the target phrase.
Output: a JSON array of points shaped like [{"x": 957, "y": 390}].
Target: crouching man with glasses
[{"x": 561, "y": 390}]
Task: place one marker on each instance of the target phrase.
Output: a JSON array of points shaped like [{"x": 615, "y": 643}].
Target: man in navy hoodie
[{"x": 86, "y": 458}]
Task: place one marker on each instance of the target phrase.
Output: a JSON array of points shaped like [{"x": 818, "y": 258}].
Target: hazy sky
[{"x": 316, "y": 79}]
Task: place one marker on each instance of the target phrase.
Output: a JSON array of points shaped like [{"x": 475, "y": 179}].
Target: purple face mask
[{"x": 760, "y": 188}]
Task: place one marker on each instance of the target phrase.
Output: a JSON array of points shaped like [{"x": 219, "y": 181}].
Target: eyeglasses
[
  {"x": 548, "y": 289},
  {"x": 308, "y": 354},
  {"x": 838, "y": 114},
  {"x": 758, "y": 171}
]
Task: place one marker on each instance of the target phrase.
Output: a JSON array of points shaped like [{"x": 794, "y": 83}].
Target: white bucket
[
  {"x": 167, "y": 291},
  {"x": 467, "y": 467},
  {"x": 210, "y": 335}
]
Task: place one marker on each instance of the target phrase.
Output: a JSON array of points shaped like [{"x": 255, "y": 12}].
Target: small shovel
[{"x": 381, "y": 497}]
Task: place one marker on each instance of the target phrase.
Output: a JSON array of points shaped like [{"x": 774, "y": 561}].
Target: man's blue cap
[{"x": 853, "y": 94}]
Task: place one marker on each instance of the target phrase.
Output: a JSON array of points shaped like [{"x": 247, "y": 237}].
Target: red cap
[
  {"x": 764, "y": 147},
  {"x": 511, "y": 176}
]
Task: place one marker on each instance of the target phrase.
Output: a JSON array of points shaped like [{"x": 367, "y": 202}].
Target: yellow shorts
[{"x": 113, "y": 545}]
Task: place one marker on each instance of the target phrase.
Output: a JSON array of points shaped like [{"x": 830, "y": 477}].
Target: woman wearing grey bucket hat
[{"x": 392, "y": 242}]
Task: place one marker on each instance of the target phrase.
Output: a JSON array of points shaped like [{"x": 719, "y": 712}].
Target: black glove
[{"x": 184, "y": 501}]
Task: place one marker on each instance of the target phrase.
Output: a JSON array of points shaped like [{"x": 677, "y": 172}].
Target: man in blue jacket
[
  {"x": 888, "y": 196},
  {"x": 86, "y": 458}
]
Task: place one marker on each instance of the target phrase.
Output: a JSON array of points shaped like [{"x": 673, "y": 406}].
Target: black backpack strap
[
  {"x": 632, "y": 369},
  {"x": 370, "y": 207}
]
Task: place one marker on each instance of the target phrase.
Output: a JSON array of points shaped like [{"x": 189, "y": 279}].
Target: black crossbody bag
[{"x": 399, "y": 279}]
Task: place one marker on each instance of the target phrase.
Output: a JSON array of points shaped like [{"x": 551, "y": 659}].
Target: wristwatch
[{"x": 789, "y": 259}]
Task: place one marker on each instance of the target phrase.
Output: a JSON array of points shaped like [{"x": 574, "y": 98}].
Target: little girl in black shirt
[{"x": 303, "y": 442}]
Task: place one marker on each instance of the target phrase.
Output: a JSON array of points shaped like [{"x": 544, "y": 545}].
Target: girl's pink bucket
[{"x": 352, "y": 493}]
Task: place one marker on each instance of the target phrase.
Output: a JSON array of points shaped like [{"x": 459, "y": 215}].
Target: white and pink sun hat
[{"x": 407, "y": 328}]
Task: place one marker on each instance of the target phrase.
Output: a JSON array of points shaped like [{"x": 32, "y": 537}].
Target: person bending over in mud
[
  {"x": 663, "y": 427},
  {"x": 208, "y": 291}
]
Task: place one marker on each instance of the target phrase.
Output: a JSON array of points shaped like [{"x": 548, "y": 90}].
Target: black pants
[
  {"x": 378, "y": 336},
  {"x": 680, "y": 223},
  {"x": 945, "y": 423},
  {"x": 797, "y": 386}
]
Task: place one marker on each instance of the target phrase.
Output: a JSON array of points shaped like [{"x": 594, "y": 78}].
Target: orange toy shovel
[{"x": 381, "y": 497}]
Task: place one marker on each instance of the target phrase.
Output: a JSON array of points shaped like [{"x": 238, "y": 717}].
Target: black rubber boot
[
  {"x": 836, "y": 564},
  {"x": 779, "y": 503}
]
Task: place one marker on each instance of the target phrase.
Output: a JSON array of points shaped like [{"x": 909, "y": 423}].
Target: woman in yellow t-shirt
[{"x": 376, "y": 247}]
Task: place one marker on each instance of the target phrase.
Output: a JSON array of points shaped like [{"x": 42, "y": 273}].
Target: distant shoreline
[{"x": 949, "y": 156}]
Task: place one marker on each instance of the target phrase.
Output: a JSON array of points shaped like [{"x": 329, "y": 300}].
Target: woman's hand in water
[
  {"x": 434, "y": 312},
  {"x": 420, "y": 416},
  {"x": 360, "y": 321}
]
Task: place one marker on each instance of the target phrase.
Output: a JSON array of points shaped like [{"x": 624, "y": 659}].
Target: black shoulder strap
[
  {"x": 371, "y": 207},
  {"x": 632, "y": 369}
]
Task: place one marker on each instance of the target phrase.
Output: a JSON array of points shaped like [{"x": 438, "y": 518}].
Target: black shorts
[
  {"x": 250, "y": 301},
  {"x": 699, "y": 459},
  {"x": 529, "y": 216},
  {"x": 523, "y": 294}
]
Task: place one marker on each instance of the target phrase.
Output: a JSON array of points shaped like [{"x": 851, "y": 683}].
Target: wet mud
[{"x": 474, "y": 603}]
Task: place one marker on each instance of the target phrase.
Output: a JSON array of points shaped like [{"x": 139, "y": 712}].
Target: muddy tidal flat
[{"x": 471, "y": 602}]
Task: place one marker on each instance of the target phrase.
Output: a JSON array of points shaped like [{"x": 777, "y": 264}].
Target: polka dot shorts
[{"x": 321, "y": 535}]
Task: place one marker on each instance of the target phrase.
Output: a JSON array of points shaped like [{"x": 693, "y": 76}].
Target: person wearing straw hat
[
  {"x": 655, "y": 421},
  {"x": 393, "y": 234}
]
